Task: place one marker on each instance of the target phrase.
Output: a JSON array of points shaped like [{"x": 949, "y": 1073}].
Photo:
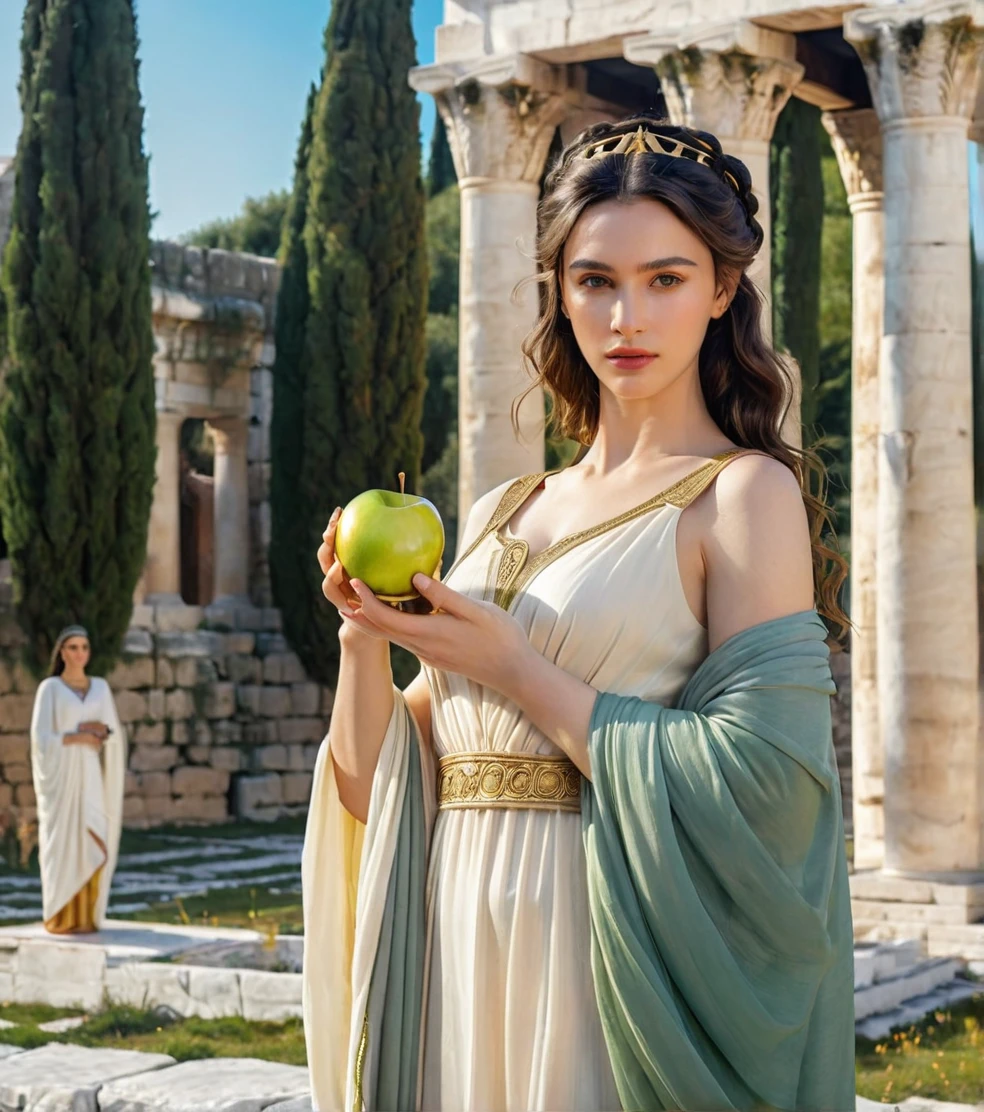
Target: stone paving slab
[
  {"x": 209, "y": 1085},
  {"x": 8, "y": 1051},
  {"x": 57, "y": 1076},
  {"x": 302, "y": 1104},
  {"x": 916, "y": 1104},
  {"x": 125, "y": 940},
  {"x": 60, "y": 1026}
]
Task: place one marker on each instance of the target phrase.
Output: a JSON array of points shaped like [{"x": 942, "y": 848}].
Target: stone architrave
[
  {"x": 231, "y": 509},
  {"x": 732, "y": 80},
  {"x": 500, "y": 116},
  {"x": 923, "y": 62},
  {"x": 162, "y": 573},
  {"x": 856, "y": 138}
]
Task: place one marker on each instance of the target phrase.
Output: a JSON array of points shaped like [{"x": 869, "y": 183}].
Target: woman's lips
[{"x": 634, "y": 362}]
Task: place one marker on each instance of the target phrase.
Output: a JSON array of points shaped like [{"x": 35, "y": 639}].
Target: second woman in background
[{"x": 78, "y": 759}]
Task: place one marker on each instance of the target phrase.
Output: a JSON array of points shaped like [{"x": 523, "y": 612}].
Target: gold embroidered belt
[{"x": 508, "y": 780}]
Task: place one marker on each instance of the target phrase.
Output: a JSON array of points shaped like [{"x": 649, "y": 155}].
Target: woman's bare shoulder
[{"x": 756, "y": 546}]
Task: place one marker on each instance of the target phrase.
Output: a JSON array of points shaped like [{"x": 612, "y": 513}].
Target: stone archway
[{"x": 207, "y": 344}]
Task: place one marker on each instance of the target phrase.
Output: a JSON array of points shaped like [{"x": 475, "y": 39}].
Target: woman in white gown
[
  {"x": 631, "y": 901},
  {"x": 78, "y": 760}
]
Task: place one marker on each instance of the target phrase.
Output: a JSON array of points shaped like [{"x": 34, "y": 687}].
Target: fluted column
[
  {"x": 231, "y": 509},
  {"x": 923, "y": 62},
  {"x": 162, "y": 573},
  {"x": 733, "y": 81},
  {"x": 856, "y": 137},
  {"x": 500, "y": 118}
]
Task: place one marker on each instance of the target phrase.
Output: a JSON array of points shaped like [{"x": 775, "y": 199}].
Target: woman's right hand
[
  {"x": 90, "y": 741},
  {"x": 336, "y": 586}
]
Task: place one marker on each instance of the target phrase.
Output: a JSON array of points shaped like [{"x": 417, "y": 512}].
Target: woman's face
[
  {"x": 75, "y": 652},
  {"x": 639, "y": 288}
]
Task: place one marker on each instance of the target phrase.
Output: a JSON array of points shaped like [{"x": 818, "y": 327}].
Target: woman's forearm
[
  {"x": 359, "y": 718},
  {"x": 82, "y": 738},
  {"x": 556, "y": 703}
]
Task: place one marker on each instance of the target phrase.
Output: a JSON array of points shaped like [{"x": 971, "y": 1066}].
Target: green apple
[{"x": 385, "y": 538}]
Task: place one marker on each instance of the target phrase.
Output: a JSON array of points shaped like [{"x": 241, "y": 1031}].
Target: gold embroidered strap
[
  {"x": 691, "y": 486},
  {"x": 516, "y": 493},
  {"x": 508, "y": 780},
  {"x": 516, "y": 568}
]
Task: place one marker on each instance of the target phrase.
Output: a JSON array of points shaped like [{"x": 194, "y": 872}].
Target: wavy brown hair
[{"x": 746, "y": 387}]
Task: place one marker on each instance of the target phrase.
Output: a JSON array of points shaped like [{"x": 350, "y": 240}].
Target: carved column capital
[
  {"x": 923, "y": 59},
  {"x": 732, "y": 79},
  {"x": 857, "y": 142},
  {"x": 229, "y": 434},
  {"x": 500, "y": 114}
]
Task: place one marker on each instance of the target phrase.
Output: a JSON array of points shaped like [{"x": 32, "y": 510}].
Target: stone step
[
  {"x": 967, "y": 941},
  {"x": 884, "y": 930},
  {"x": 870, "y": 884},
  {"x": 916, "y": 1008},
  {"x": 915, "y": 1104},
  {"x": 955, "y": 914},
  {"x": 939, "y": 939},
  {"x": 917, "y": 980},
  {"x": 877, "y": 961}
]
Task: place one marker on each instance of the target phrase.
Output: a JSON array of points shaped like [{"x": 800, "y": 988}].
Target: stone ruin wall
[{"x": 222, "y": 720}]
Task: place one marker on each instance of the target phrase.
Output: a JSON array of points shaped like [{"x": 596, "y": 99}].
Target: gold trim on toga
[
  {"x": 516, "y": 569},
  {"x": 78, "y": 916}
]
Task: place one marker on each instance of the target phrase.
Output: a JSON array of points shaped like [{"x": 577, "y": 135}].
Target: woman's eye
[
  {"x": 666, "y": 281},
  {"x": 594, "y": 281}
]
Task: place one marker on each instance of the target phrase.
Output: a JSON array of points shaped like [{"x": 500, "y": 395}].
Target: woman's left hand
[{"x": 474, "y": 639}]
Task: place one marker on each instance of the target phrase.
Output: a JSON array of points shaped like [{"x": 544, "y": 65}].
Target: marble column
[
  {"x": 856, "y": 137},
  {"x": 923, "y": 63},
  {"x": 732, "y": 80},
  {"x": 162, "y": 572},
  {"x": 231, "y": 558},
  {"x": 500, "y": 117}
]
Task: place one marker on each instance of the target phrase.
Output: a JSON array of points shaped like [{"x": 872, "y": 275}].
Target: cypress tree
[
  {"x": 289, "y": 532},
  {"x": 796, "y": 184},
  {"x": 77, "y": 414},
  {"x": 361, "y": 369},
  {"x": 440, "y": 165}
]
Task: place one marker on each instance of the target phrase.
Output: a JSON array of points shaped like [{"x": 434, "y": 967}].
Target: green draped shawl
[
  {"x": 721, "y": 941},
  {"x": 722, "y": 947}
]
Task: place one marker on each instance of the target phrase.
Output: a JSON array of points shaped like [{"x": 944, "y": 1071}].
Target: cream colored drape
[{"x": 79, "y": 793}]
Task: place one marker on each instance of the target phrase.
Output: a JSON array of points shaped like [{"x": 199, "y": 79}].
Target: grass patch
[
  {"x": 34, "y": 1013},
  {"x": 249, "y": 906},
  {"x": 140, "y": 841},
  {"x": 159, "y": 1032},
  {"x": 941, "y": 1058}
]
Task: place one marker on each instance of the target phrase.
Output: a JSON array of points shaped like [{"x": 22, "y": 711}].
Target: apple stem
[{"x": 403, "y": 478}]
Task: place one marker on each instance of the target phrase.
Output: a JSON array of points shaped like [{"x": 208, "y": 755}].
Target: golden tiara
[{"x": 644, "y": 141}]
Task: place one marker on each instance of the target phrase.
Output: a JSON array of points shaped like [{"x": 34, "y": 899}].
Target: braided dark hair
[{"x": 746, "y": 387}]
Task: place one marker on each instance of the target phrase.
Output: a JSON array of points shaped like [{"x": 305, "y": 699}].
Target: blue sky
[{"x": 223, "y": 84}]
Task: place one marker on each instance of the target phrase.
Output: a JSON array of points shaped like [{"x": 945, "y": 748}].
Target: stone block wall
[{"x": 223, "y": 720}]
